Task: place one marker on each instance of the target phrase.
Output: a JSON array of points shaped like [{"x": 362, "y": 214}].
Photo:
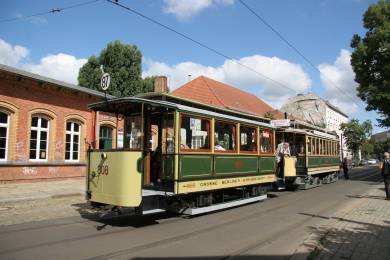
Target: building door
[{"x": 105, "y": 137}]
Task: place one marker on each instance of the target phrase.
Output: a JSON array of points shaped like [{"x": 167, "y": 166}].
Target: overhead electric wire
[
  {"x": 295, "y": 49},
  {"x": 198, "y": 43},
  {"x": 52, "y": 11}
]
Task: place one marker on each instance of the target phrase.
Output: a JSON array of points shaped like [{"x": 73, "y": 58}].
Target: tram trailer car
[
  {"x": 181, "y": 156},
  {"x": 315, "y": 155}
]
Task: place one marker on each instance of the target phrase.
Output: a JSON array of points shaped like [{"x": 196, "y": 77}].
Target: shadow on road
[{"x": 116, "y": 219}]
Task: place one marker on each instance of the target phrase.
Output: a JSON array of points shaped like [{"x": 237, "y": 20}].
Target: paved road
[{"x": 272, "y": 229}]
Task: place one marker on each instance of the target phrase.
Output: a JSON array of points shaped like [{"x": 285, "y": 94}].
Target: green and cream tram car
[
  {"x": 183, "y": 156},
  {"x": 315, "y": 155}
]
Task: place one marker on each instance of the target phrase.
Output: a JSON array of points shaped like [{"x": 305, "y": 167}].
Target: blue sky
[{"x": 56, "y": 45}]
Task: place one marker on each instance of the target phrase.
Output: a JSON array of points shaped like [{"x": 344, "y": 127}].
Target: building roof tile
[{"x": 212, "y": 92}]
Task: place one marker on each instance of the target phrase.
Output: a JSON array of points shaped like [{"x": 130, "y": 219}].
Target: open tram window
[
  {"x": 325, "y": 147},
  {"x": 317, "y": 146},
  {"x": 168, "y": 134},
  {"x": 194, "y": 133},
  {"x": 248, "y": 139},
  {"x": 225, "y": 136},
  {"x": 309, "y": 145},
  {"x": 133, "y": 132},
  {"x": 266, "y": 141},
  {"x": 299, "y": 147}
]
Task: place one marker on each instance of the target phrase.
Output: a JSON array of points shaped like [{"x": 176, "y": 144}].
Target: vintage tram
[
  {"x": 314, "y": 154},
  {"x": 182, "y": 156},
  {"x": 193, "y": 158}
]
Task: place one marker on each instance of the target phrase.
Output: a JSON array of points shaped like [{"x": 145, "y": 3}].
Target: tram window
[
  {"x": 248, "y": 139},
  {"x": 313, "y": 145},
  {"x": 194, "y": 133},
  {"x": 265, "y": 141},
  {"x": 299, "y": 145},
  {"x": 168, "y": 137},
  {"x": 133, "y": 132},
  {"x": 225, "y": 136},
  {"x": 318, "y": 145},
  {"x": 325, "y": 147},
  {"x": 309, "y": 145}
]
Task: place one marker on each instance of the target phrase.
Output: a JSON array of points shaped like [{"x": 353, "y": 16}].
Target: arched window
[
  {"x": 72, "y": 142},
  {"x": 39, "y": 138},
  {"x": 4, "y": 128},
  {"x": 105, "y": 137}
]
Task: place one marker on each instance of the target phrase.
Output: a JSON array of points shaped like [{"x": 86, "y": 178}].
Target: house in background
[
  {"x": 214, "y": 93},
  {"x": 319, "y": 112},
  {"x": 46, "y": 127}
]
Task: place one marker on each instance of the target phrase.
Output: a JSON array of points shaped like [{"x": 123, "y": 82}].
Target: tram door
[
  {"x": 152, "y": 174},
  {"x": 159, "y": 144}
]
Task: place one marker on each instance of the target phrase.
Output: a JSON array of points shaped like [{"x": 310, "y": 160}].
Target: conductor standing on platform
[
  {"x": 386, "y": 173},
  {"x": 282, "y": 150}
]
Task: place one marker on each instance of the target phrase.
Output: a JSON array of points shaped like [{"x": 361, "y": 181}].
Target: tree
[
  {"x": 370, "y": 60},
  {"x": 367, "y": 149},
  {"x": 123, "y": 63},
  {"x": 356, "y": 134}
]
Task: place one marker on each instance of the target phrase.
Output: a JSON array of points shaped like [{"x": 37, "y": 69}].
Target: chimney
[{"x": 160, "y": 84}]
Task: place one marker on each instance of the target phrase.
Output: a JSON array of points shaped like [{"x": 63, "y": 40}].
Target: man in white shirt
[{"x": 282, "y": 150}]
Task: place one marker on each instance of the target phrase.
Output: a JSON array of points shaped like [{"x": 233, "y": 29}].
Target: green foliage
[
  {"x": 367, "y": 150},
  {"x": 123, "y": 63},
  {"x": 356, "y": 134},
  {"x": 371, "y": 60},
  {"x": 380, "y": 147},
  {"x": 148, "y": 84}
]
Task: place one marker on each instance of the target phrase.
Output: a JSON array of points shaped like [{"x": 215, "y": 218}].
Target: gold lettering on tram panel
[
  {"x": 208, "y": 183},
  {"x": 230, "y": 181}
]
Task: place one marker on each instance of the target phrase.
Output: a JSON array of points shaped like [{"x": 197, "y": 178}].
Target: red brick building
[{"x": 46, "y": 127}]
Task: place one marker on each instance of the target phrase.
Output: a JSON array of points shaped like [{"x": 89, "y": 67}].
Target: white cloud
[
  {"x": 230, "y": 72},
  {"x": 11, "y": 55},
  {"x": 340, "y": 86},
  {"x": 60, "y": 66},
  {"x": 186, "y": 9}
]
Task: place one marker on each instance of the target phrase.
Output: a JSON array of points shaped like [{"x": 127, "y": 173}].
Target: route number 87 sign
[{"x": 105, "y": 81}]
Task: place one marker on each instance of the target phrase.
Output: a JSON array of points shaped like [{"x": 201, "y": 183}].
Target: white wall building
[{"x": 319, "y": 112}]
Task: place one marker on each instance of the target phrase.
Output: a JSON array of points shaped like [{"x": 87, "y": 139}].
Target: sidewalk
[
  {"x": 361, "y": 231},
  {"x": 14, "y": 192}
]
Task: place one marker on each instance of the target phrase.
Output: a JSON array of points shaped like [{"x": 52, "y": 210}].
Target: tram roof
[
  {"x": 118, "y": 105},
  {"x": 309, "y": 132}
]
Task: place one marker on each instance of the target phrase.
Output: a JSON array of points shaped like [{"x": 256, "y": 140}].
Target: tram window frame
[
  {"x": 208, "y": 137},
  {"x": 271, "y": 137},
  {"x": 234, "y": 136},
  {"x": 254, "y": 144},
  {"x": 126, "y": 129}
]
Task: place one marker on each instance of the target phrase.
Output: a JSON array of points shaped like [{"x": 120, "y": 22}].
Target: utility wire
[
  {"x": 295, "y": 49},
  {"x": 52, "y": 11},
  {"x": 219, "y": 53}
]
